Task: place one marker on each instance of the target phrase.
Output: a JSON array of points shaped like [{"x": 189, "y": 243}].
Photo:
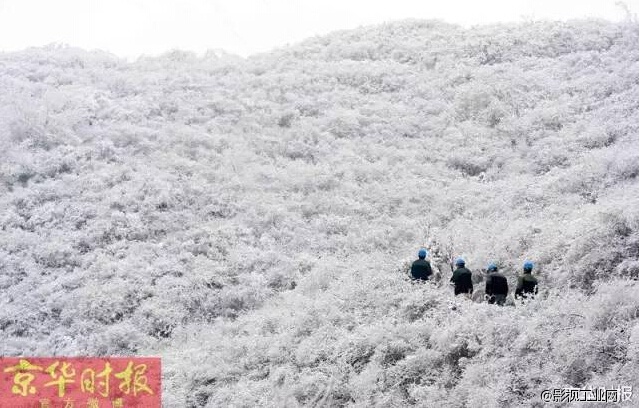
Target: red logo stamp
[{"x": 74, "y": 382}]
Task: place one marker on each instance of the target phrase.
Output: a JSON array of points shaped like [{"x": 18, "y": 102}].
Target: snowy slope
[{"x": 249, "y": 219}]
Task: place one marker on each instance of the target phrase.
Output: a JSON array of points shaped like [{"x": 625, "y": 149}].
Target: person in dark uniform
[
  {"x": 462, "y": 278},
  {"x": 526, "y": 283},
  {"x": 496, "y": 286},
  {"x": 421, "y": 269}
]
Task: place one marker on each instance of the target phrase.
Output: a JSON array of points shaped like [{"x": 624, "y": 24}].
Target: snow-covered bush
[{"x": 252, "y": 220}]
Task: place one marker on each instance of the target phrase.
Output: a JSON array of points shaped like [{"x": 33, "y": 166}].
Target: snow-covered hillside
[{"x": 249, "y": 220}]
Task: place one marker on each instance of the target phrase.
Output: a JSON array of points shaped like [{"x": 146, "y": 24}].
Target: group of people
[{"x": 496, "y": 282}]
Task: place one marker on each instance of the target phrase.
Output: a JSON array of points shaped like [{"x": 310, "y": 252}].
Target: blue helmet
[
  {"x": 422, "y": 253},
  {"x": 528, "y": 266},
  {"x": 491, "y": 267},
  {"x": 460, "y": 262}
]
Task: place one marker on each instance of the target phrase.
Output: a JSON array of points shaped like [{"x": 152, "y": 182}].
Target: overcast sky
[{"x": 130, "y": 28}]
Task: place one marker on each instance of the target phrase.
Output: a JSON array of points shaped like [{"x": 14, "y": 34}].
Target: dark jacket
[
  {"x": 462, "y": 278},
  {"x": 496, "y": 284},
  {"x": 421, "y": 269},
  {"x": 526, "y": 283}
]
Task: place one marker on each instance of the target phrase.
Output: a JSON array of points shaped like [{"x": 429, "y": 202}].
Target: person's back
[
  {"x": 421, "y": 268},
  {"x": 462, "y": 278},
  {"x": 526, "y": 283},
  {"x": 496, "y": 286}
]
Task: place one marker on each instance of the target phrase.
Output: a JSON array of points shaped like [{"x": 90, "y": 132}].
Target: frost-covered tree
[{"x": 247, "y": 219}]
